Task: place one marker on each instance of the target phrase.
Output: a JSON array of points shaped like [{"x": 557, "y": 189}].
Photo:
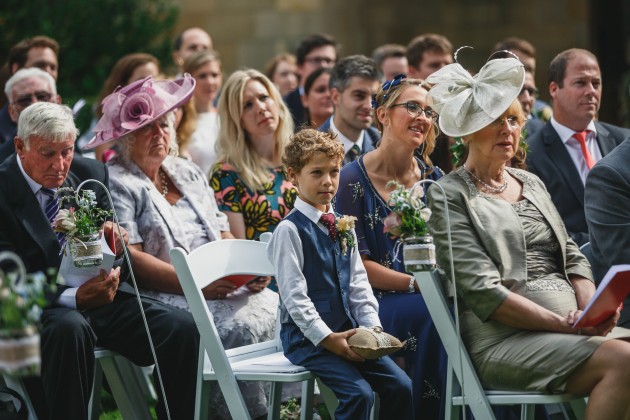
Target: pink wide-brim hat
[{"x": 139, "y": 104}]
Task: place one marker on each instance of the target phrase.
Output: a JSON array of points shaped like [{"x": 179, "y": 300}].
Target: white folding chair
[
  {"x": 255, "y": 362},
  {"x": 473, "y": 395}
]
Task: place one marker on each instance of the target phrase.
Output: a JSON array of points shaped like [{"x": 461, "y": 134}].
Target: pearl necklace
[
  {"x": 487, "y": 187},
  {"x": 163, "y": 181}
]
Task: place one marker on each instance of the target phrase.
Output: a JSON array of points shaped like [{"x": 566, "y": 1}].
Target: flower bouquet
[
  {"x": 408, "y": 222},
  {"x": 80, "y": 226},
  {"x": 22, "y": 298}
]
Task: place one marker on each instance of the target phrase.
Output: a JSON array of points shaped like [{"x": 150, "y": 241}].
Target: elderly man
[
  {"x": 566, "y": 148},
  {"x": 40, "y": 52},
  {"x": 352, "y": 82},
  {"x": 97, "y": 312},
  {"x": 25, "y": 87}
]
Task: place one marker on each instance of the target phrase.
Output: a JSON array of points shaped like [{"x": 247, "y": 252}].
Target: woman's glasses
[
  {"x": 512, "y": 121},
  {"x": 416, "y": 110}
]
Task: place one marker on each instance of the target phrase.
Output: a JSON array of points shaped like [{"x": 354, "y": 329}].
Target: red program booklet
[
  {"x": 609, "y": 295},
  {"x": 240, "y": 279}
]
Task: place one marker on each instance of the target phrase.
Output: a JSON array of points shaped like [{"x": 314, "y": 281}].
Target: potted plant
[
  {"x": 80, "y": 226},
  {"x": 408, "y": 222},
  {"x": 22, "y": 298}
]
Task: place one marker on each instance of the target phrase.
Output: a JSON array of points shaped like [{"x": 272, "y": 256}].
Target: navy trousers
[{"x": 354, "y": 384}]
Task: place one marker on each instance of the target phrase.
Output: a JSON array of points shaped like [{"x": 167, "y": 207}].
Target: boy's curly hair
[{"x": 305, "y": 143}]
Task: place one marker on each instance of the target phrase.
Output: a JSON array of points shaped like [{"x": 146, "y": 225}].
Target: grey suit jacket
[
  {"x": 607, "y": 207},
  {"x": 489, "y": 248},
  {"x": 548, "y": 158}
]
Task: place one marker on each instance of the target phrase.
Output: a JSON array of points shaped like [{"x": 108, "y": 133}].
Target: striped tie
[
  {"x": 353, "y": 153},
  {"x": 52, "y": 208}
]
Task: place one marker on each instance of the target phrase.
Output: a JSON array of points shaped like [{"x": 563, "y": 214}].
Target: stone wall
[{"x": 248, "y": 32}]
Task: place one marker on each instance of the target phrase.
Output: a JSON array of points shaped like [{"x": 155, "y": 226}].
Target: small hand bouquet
[
  {"x": 22, "y": 298},
  {"x": 80, "y": 226},
  {"x": 408, "y": 221}
]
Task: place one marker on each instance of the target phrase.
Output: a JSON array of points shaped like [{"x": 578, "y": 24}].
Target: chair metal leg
[
  {"x": 308, "y": 388},
  {"x": 94, "y": 406},
  {"x": 376, "y": 407},
  {"x": 329, "y": 398},
  {"x": 128, "y": 399},
  {"x": 275, "y": 398},
  {"x": 527, "y": 411}
]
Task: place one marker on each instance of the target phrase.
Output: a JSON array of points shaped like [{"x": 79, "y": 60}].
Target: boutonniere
[{"x": 345, "y": 225}]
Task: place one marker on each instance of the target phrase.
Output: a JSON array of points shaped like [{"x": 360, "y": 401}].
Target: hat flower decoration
[
  {"x": 138, "y": 104},
  {"x": 467, "y": 103}
]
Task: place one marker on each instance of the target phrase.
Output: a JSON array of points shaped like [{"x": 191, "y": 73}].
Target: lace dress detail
[{"x": 543, "y": 251}]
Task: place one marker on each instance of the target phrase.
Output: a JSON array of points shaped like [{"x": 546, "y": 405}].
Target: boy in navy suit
[{"x": 324, "y": 288}]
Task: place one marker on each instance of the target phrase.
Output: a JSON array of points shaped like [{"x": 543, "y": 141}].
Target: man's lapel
[
  {"x": 558, "y": 156},
  {"x": 30, "y": 214}
]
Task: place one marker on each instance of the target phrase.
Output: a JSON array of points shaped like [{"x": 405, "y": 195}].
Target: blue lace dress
[{"x": 403, "y": 315}]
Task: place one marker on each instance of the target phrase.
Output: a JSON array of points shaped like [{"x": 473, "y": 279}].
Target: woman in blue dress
[{"x": 406, "y": 123}]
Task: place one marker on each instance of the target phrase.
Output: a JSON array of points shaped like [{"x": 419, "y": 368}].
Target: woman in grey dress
[
  {"x": 521, "y": 280},
  {"x": 164, "y": 201}
]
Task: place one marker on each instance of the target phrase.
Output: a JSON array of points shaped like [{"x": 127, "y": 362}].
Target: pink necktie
[
  {"x": 328, "y": 220},
  {"x": 580, "y": 136}
]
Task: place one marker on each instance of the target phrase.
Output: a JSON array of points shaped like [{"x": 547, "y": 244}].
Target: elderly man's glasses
[
  {"x": 39, "y": 96},
  {"x": 416, "y": 110},
  {"x": 512, "y": 121}
]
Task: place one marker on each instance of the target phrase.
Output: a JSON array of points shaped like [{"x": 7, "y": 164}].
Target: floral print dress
[
  {"x": 261, "y": 210},
  {"x": 404, "y": 315}
]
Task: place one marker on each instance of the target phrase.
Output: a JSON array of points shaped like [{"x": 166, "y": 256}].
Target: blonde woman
[
  {"x": 205, "y": 68},
  {"x": 249, "y": 183}
]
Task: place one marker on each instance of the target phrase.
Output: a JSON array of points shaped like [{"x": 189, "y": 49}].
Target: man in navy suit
[
  {"x": 564, "y": 150},
  {"x": 353, "y": 81},
  {"x": 315, "y": 51},
  {"x": 98, "y": 311}
]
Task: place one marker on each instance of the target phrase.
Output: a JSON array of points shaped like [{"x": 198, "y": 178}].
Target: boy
[{"x": 325, "y": 291}]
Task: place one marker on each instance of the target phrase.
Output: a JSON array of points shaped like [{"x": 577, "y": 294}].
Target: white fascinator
[{"x": 468, "y": 103}]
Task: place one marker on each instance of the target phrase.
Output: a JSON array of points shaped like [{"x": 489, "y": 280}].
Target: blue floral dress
[{"x": 403, "y": 315}]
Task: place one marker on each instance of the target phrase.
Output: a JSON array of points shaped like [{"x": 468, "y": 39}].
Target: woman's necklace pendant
[
  {"x": 163, "y": 182},
  {"x": 487, "y": 187}
]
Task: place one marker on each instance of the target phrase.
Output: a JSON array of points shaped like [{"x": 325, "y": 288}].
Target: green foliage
[
  {"x": 22, "y": 300},
  {"x": 92, "y": 35}
]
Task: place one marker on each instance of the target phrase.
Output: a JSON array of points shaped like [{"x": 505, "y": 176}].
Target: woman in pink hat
[{"x": 164, "y": 201}]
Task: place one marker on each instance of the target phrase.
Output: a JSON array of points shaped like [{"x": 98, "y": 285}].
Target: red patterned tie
[
  {"x": 580, "y": 136},
  {"x": 328, "y": 220}
]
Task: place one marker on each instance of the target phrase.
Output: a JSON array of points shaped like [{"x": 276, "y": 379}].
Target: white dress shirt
[
  {"x": 285, "y": 252},
  {"x": 574, "y": 148},
  {"x": 347, "y": 143}
]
